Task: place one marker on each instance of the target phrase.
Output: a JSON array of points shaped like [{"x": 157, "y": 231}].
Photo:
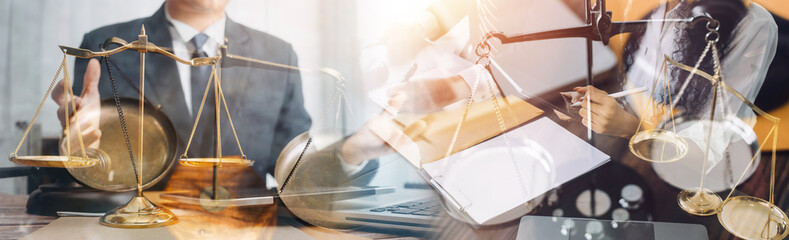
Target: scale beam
[
  {"x": 139, "y": 46},
  {"x": 602, "y": 30}
]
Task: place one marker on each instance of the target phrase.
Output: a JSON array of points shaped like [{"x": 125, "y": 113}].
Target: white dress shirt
[{"x": 181, "y": 34}]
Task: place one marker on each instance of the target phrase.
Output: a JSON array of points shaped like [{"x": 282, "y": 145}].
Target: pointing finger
[
  {"x": 90, "y": 87},
  {"x": 58, "y": 94}
]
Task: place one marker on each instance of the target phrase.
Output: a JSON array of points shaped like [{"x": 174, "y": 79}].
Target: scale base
[
  {"x": 138, "y": 213},
  {"x": 699, "y": 203}
]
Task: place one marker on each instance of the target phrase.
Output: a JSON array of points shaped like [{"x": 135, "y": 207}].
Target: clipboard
[
  {"x": 481, "y": 188},
  {"x": 486, "y": 190},
  {"x": 425, "y": 138}
]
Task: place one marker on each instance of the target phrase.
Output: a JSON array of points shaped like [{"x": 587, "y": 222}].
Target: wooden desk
[
  {"x": 663, "y": 197},
  {"x": 14, "y": 222}
]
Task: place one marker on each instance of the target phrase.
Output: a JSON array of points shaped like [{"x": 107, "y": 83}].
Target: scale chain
[
  {"x": 199, "y": 112},
  {"x": 40, "y": 106},
  {"x": 71, "y": 99},
  {"x": 339, "y": 93},
  {"x": 121, "y": 117},
  {"x": 233, "y": 127},
  {"x": 485, "y": 55}
]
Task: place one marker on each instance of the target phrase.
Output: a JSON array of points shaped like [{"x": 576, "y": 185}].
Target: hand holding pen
[{"x": 601, "y": 112}]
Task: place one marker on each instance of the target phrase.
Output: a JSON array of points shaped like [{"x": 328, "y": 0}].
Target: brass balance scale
[
  {"x": 140, "y": 212},
  {"x": 747, "y": 217}
]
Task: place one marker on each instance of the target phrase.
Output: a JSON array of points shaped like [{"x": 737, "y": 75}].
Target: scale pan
[
  {"x": 658, "y": 145},
  {"x": 54, "y": 161},
  {"x": 753, "y": 218},
  {"x": 226, "y": 161},
  {"x": 737, "y": 146},
  {"x": 114, "y": 171}
]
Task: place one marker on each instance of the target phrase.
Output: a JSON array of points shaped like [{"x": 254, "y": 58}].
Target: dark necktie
[
  {"x": 204, "y": 134},
  {"x": 199, "y": 75}
]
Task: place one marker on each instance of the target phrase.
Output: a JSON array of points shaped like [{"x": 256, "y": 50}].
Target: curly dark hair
[{"x": 690, "y": 43}]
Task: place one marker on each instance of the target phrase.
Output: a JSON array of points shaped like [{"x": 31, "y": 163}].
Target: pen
[
  {"x": 410, "y": 73},
  {"x": 406, "y": 78},
  {"x": 617, "y": 94}
]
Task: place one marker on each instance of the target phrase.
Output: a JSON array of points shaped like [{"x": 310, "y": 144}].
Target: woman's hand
[{"x": 607, "y": 116}]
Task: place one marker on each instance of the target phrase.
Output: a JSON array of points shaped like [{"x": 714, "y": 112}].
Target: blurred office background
[
  {"x": 331, "y": 33},
  {"x": 327, "y": 33}
]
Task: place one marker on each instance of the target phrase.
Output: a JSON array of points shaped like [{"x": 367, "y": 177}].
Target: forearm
[
  {"x": 364, "y": 145},
  {"x": 329, "y": 167}
]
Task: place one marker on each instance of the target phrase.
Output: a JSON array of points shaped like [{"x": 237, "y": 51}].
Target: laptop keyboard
[{"x": 430, "y": 207}]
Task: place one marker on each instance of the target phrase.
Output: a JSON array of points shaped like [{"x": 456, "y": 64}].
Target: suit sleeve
[
  {"x": 293, "y": 118},
  {"x": 321, "y": 170}
]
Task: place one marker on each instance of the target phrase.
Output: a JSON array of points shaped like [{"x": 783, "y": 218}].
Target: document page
[{"x": 487, "y": 182}]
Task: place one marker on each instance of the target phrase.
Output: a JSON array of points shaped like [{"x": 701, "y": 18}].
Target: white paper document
[{"x": 490, "y": 186}]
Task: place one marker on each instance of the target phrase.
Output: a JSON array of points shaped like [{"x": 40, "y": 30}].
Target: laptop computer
[
  {"x": 415, "y": 210},
  {"x": 541, "y": 227},
  {"x": 410, "y": 206},
  {"x": 253, "y": 197}
]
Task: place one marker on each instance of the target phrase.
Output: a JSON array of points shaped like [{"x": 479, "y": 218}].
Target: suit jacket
[{"x": 266, "y": 105}]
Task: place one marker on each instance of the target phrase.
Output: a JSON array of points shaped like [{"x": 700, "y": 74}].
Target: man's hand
[
  {"x": 88, "y": 109},
  {"x": 607, "y": 116},
  {"x": 364, "y": 144},
  {"x": 428, "y": 95}
]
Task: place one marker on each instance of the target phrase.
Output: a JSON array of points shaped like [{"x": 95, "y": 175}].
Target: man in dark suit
[{"x": 266, "y": 104}]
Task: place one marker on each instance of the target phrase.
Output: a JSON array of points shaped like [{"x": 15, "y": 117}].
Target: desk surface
[
  {"x": 662, "y": 197},
  {"x": 15, "y": 223},
  {"x": 662, "y": 205}
]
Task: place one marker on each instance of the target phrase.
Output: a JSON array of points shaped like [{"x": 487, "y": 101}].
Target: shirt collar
[{"x": 215, "y": 32}]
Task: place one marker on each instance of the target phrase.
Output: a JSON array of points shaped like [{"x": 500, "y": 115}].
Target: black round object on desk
[
  {"x": 48, "y": 199},
  {"x": 64, "y": 193},
  {"x": 608, "y": 179}
]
